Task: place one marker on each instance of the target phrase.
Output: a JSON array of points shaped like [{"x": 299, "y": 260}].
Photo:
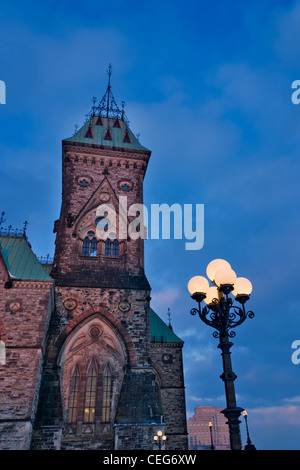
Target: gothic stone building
[{"x": 88, "y": 363}]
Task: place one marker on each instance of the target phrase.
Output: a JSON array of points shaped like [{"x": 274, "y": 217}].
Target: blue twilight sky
[{"x": 208, "y": 88}]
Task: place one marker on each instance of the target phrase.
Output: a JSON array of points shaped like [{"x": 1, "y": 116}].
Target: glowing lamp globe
[
  {"x": 198, "y": 284},
  {"x": 242, "y": 286},
  {"x": 215, "y": 266},
  {"x": 211, "y": 294},
  {"x": 225, "y": 276}
]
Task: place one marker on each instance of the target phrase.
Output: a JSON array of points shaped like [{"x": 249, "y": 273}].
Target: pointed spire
[
  {"x": 109, "y": 73},
  {"x": 107, "y": 106}
]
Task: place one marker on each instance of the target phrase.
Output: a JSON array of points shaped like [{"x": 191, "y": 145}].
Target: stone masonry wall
[
  {"x": 108, "y": 169},
  {"x": 25, "y": 310},
  {"x": 167, "y": 361}
]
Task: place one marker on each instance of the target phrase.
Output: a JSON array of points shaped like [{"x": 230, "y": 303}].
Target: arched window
[
  {"x": 73, "y": 396},
  {"x": 115, "y": 249},
  {"x": 93, "y": 251},
  {"x": 111, "y": 249},
  {"x": 86, "y": 247},
  {"x": 107, "y": 393},
  {"x": 90, "y": 395},
  {"x": 89, "y": 246},
  {"x": 107, "y": 248}
]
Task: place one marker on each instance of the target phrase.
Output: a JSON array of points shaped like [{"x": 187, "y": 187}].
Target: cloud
[
  {"x": 287, "y": 415},
  {"x": 165, "y": 298}
]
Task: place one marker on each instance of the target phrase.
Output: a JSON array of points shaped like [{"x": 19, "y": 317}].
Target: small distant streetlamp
[
  {"x": 212, "y": 447},
  {"x": 222, "y": 314},
  {"x": 249, "y": 445},
  {"x": 159, "y": 439}
]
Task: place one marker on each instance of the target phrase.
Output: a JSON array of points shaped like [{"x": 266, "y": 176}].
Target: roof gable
[
  {"x": 20, "y": 261},
  {"x": 160, "y": 332}
]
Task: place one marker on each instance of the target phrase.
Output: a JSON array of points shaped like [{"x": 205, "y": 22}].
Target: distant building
[{"x": 199, "y": 432}]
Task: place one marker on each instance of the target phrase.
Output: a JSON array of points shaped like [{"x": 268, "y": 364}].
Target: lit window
[
  {"x": 73, "y": 396},
  {"x": 90, "y": 395},
  {"x": 107, "y": 392}
]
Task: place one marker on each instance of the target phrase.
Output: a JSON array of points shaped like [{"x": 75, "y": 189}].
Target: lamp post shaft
[{"x": 232, "y": 412}]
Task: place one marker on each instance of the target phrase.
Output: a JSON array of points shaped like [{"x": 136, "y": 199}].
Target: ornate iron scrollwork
[{"x": 222, "y": 315}]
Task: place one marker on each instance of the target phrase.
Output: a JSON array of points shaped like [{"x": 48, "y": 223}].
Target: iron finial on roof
[
  {"x": 24, "y": 229},
  {"x": 109, "y": 73},
  {"x": 2, "y": 219},
  {"x": 76, "y": 127},
  {"x": 169, "y": 317}
]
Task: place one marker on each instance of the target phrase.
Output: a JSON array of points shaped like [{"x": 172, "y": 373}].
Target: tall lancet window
[
  {"x": 93, "y": 251},
  {"x": 90, "y": 395},
  {"x": 107, "y": 393},
  {"x": 107, "y": 248},
  {"x": 86, "y": 247},
  {"x": 73, "y": 396},
  {"x": 89, "y": 245},
  {"x": 115, "y": 249}
]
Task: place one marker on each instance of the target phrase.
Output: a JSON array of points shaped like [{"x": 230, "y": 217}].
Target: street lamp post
[
  {"x": 249, "y": 445},
  {"x": 159, "y": 438},
  {"x": 222, "y": 314},
  {"x": 212, "y": 447}
]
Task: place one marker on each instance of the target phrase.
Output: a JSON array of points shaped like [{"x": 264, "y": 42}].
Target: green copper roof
[
  {"x": 160, "y": 332},
  {"x": 110, "y": 132},
  {"x": 20, "y": 261}
]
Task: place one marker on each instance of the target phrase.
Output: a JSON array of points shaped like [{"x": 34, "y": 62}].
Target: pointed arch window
[
  {"x": 90, "y": 395},
  {"x": 115, "y": 249},
  {"x": 107, "y": 252},
  {"x": 89, "y": 245},
  {"x": 93, "y": 251},
  {"x": 86, "y": 247},
  {"x": 107, "y": 394},
  {"x": 73, "y": 396},
  {"x": 111, "y": 249}
]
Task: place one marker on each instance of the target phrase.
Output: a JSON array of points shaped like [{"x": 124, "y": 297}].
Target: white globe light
[
  {"x": 211, "y": 294},
  {"x": 214, "y": 266},
  {"x": 198, "y": 284},
  {"x": 242, "y": 286},
  {"x": 225, "y": 276}
]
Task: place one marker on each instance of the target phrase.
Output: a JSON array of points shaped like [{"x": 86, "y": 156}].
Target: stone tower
[{"x": 112, "y": 374}]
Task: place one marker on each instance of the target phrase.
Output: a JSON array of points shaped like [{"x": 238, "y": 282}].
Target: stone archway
[{"x": 92, "y": 363}]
